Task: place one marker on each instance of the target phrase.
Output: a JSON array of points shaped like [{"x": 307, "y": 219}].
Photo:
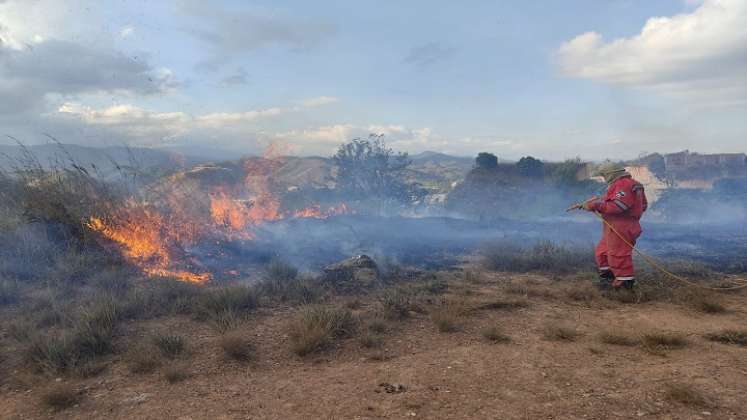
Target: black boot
[{"x": 605, "y": 277}]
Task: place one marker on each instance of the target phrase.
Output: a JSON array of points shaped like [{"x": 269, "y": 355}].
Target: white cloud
[
  {"x": 127, "y": 31},
  {"x": 225, "y": 118},
  {"x": 318, "y": 101},
  {"x": 699, "y": 55}
]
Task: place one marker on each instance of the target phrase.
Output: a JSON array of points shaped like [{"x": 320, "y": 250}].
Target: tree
[
  {"x": 368, "y": 169},
  {"x": 486, "y": 160},
  {"x": 530, "y": 167}
]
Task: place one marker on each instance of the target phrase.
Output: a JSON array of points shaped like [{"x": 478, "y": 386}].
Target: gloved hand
[{"x": 589, "y": 204}]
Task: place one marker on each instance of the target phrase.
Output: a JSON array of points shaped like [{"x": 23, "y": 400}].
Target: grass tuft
[
  {"x": 170, "y": 345},
  {"x": 659, "y": 342},
  {"x": 738, "y": 337},
  {"x": 370, "y": 340},
  {"x": 618, "y": 339},
  {"x": 446, "y": 318},
  {"x": 686, "y": 394},
  {"x": 237, "y": 347},
  {"x": 142, "y": 359},
  {"x": 560, "y": 333},
  {"x": 494, "y": 334},
  {"x": 174, "y": 374},
  {"x": 60, "y": 397},
  {"x": 317, "y": 326}
]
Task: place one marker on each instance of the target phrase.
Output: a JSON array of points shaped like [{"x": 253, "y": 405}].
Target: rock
[{"x": 353, "y": 273}]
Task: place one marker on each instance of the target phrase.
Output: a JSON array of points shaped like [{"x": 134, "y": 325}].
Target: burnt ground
[{"x": 430, "y": 374}]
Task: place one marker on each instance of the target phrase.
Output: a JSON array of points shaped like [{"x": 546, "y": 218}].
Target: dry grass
[
  {"x": 618, "y": 339},
  {"x": 659, "y": 342},
  {"x": 378, "y": 326},
  {"x": 174, "y": 374},
  {"x": 237, "y": 347},
  {"x": 738, "y": 337},
  {"x": 556, "y": 332},
  {"x": 214, "y": 303},
  {"x": 582, "y": 293},
  {"x": 316, "y": 327},
  {"x": 701, "y": 300},
  {"x": 504, "y": 304},
  {"x": 448, "y": 314},
  {"x": 142, "y": 359},
  {"x": 60, "y": 397},
  {"x": 170, "y": 345},
  {"x": 371, "y": 340},
  {"x": 397, "y": 302},
  {"x": 686, "y": 394},
  {"x": 543, "y": 256},
  {"x": 494, "y": 334}
]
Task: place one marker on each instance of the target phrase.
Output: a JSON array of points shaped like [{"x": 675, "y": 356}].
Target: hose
[{"x": 655, "y": 264}]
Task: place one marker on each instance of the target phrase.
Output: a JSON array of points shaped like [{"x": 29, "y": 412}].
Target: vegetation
[
  {"x": 60, "y": 397},
  {"x": 686, "y": 394},
  {"x": 237, "y": 347},
  {"x": 738, "y": 337},
  {"x": 556, "y": 332},
  {"x": 317, "y": 326},
  {"x": 170, "y": 345},
  {"x": 543, "y": 256},
  {"x": 494, "y": 334}
]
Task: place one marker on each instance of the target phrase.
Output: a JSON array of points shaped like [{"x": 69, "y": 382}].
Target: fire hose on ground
[{"x": 652, "y": 262}]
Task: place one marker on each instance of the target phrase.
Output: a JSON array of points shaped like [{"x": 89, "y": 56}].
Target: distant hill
[
  {"x": 439, "y": 170},
  {"x": 104, "y": 160}
]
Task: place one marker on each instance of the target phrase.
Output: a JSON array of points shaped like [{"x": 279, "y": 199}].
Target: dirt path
[{"x": 443, "y": 375}]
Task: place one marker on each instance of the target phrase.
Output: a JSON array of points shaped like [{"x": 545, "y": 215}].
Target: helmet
[{"x": 610, "y": 170}]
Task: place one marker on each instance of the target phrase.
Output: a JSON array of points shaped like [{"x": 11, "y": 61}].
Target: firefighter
[{"x": 622, "y": 207}]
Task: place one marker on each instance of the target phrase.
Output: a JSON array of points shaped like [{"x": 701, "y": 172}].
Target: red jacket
[{"x": 625, "y": 200}]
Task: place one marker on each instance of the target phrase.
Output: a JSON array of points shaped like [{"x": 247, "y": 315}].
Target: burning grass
[{"x": 316, "y": 327}]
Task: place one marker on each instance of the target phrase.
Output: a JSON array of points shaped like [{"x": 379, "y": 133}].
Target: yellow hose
[{"x": 658, "y": 266}]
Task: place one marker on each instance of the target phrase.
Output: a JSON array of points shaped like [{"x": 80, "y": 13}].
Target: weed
[
  {"x": 618, "y": 339},
  {"x": 543, "y": 256},
  {"x": 585, "y": 293},
  {"x": 60, "y": 397},
  {"x": 49, "y": 353},
  {"x": 700, "y": 300},
  {"x": 170, "y": 345},
  {"x": 560, "y": 333},
  {"x": 378, "y": 326},
  {"x": 686, "y": 394},
  {"x": 738, "y": 337},
  {"x": 226, "y": 321},
  {"x": 237, "y": 347},
  {"x": 494, "y": 334},
  {"x": 505, "y": 305},
  {"x": 397, "y": 302},
  {"x": 237, "y": 299}
]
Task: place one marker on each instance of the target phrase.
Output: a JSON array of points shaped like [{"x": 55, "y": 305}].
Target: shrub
[
  {"x": 49, "y": 353},
  {"x": 494, "y": 334},
  {"x": 170, "y": 345},
  {"x": 738, "y": 337},
  {"x": 618, "y": 339},
  {"x": 92, "y": 335},
  {"x": 226, "y": 321},
  {"x": 560, "y": 333},
  {"x": 317, "y": 326},
  {"x": 237, "y": 347},
  {"x": 377, "y": 325},
  {"x": 60, "y": 397}
]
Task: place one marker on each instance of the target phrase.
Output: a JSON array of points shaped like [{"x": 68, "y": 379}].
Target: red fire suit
[{"x": 622, "y": 207}]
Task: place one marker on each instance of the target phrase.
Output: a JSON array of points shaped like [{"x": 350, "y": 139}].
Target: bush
[
  {"x": 397, "y": 302},
  {"x": 237, "y": 347},
  {"x": 659, "y": 342},
  {"x": 92, "y": 335},
  {"x": 544, "y": 256},
  {"x": 174, "y": 374},
  {"x": 49, "y": 353},
  {"x": 60, "y": 397},
  {"x": 170, "y": 345},
  {"x": 686, "y": 394},
  {"x": 317, "y": 326}
]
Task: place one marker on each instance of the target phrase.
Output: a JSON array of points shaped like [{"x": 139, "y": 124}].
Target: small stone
[{"x": 705, "y": 413}]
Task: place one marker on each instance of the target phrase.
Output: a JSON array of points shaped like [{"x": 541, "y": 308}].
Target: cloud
[
  {"x": 51, "y": 67},
  {"x": 700, "y": 55},
  {"x": 318, "y": 101},
  {"x": 230, "y": 32},
  {"x": 127, "y": 31},
  {"x": 241, "y": 77},
  {"x": 428, "y": 54}
]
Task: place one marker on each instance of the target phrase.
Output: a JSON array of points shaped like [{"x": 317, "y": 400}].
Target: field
[{"x": 466, "y": 343}]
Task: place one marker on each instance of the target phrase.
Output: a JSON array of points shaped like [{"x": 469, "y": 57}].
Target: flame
[{"x": 315, "y": 211}]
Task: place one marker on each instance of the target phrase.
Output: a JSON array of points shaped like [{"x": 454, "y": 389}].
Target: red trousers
[{"x": 612, "y": 253}]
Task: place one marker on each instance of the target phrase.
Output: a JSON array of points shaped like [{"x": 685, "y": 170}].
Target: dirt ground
[{"x": 423, "y": 373}]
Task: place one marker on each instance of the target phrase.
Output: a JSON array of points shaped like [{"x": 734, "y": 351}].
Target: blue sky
[{"x": 552, "y": 79}]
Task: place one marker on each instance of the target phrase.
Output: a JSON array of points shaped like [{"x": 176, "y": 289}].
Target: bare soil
[{"x": 423, "y": 373}]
